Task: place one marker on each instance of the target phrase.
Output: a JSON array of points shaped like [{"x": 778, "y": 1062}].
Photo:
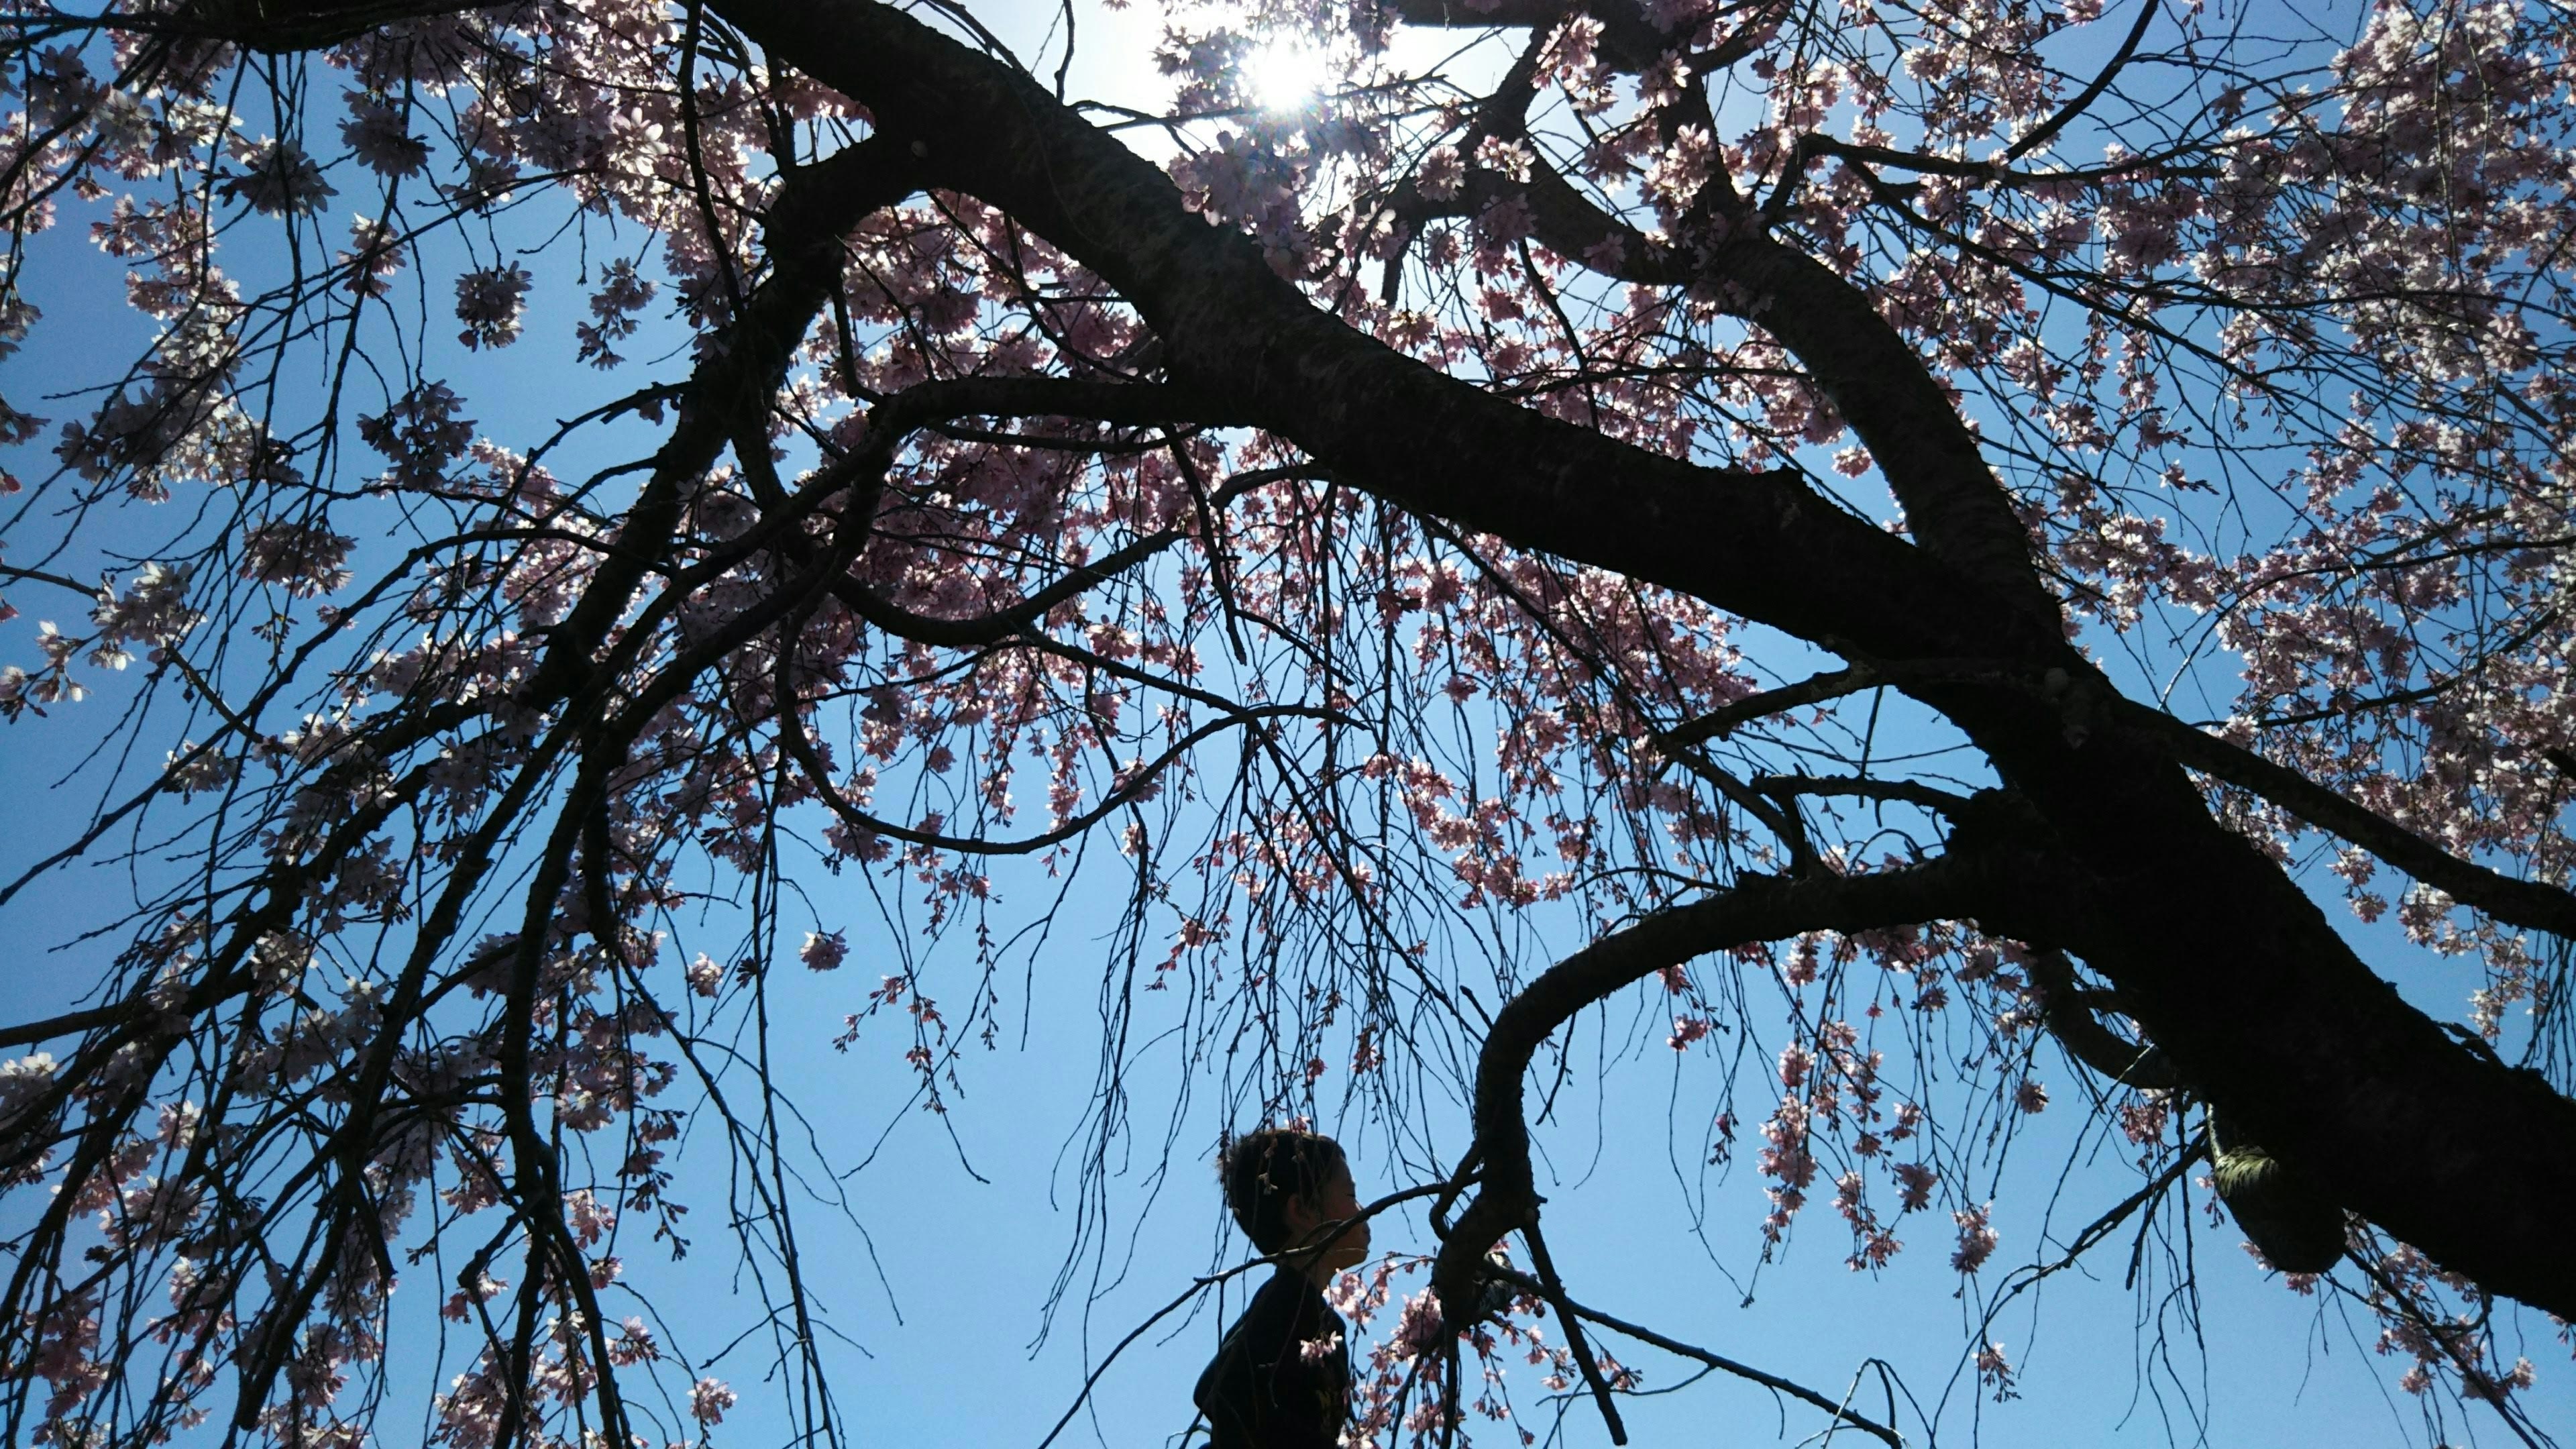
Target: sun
[{"x": 1284, "y": 74}]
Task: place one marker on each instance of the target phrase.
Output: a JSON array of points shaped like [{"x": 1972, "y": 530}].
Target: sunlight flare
[{"x": 1284, "y": 74}]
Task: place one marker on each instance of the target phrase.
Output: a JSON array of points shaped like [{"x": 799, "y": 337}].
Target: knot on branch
[{"x": 2282, "y": 1211}]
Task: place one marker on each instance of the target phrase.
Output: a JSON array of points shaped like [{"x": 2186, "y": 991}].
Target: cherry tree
[{"x": 1502, "y": 492}]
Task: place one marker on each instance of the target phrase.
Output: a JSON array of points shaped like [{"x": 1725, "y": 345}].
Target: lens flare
[{"x": 1284, "y": 74}]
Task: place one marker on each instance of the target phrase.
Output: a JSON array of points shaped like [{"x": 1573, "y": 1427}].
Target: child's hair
[{"x": 1263, "y": 1169}]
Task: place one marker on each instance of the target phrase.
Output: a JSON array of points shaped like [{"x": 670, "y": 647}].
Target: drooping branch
[
  {"x": 1781, "y": 821},
  {"x": 1841, "y": 1412},
  {"x": 1756, "y": 908},
  {"x": 1010, "y": 622},
  {"x": 2041, "y": 134},
  {"x": 741, "y": 369},
  {"x": 2094, "y": 1232},
  {"x": 734, "y": 384},
  {"x": 792, "y": 735},
  {"x": 1551, "y": 1286}
]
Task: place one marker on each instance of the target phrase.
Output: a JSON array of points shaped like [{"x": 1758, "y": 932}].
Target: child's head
[{"x": 1284, "y": 1183}]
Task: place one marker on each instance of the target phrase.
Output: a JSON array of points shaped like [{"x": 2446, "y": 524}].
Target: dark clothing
[{"x": 1282, "y": 1377}]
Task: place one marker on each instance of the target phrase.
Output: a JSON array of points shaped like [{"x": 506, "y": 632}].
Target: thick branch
[
  {"x": 280, "y": 27},
  {"x": 2537, "y": 905},
  {"x": 1907, "y": 791},
  {"x": 1235, "y": 332},
  {"x": 1878, "y": 382}
]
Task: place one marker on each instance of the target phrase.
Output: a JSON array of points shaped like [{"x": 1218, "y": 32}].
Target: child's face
[{"x": 1339, "y": 1200}]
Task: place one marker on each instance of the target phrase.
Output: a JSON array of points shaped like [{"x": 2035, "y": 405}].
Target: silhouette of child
[{"x": 1282, "y": 1376}]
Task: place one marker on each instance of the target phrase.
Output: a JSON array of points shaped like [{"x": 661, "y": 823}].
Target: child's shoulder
[{"x": 1285, "y": 1300}]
